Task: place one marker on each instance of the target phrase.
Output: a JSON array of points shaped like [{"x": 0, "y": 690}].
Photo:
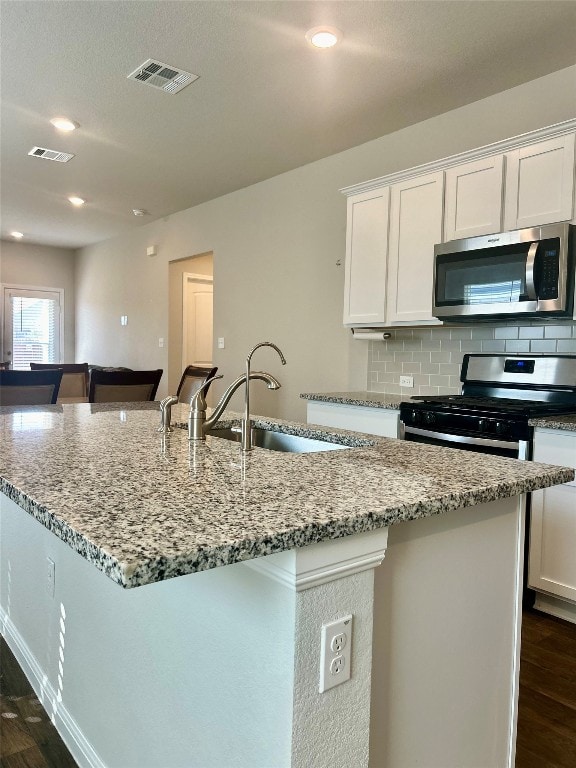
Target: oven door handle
[
  {"x": 530, "y": 285},
  {"x": 461, "y": 439}
]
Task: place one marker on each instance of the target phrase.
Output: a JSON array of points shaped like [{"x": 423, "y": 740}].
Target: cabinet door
[
  {"x": 474, "y": 198},
  {"x": 416, "y": 209},
  {"x": 552, "y": 565},
  {"x": 366, "y": 251},
  {"x": 540, "y": 183},
  {"x": 372, "y": 421}
]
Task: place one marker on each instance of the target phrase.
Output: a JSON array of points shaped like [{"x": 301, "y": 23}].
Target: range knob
[
  {"x": 429, "y": 417},
  {"x": 502, "y": 428},
  {"x": 483, "y": 425},
  {"x": 414, "y": 417}
]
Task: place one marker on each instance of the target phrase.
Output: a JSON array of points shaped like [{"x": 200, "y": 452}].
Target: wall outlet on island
[
  {"x": 335, "y": 653},
  {"x": 406, "y": 381}
]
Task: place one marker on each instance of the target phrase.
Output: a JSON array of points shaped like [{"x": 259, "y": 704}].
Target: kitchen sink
[{"x": 278, "y": 441}]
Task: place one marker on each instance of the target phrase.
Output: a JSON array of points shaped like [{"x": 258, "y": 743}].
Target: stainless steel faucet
[
  {"x": 198, "y": 424},
  {"x": 246, "y": 422},
  {"x": 166, "y": 414}
]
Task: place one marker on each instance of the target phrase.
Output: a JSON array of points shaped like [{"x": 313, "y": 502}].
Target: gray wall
[
  {"x": 42, "y": 266},
  {"x": 278, "y": 256}
]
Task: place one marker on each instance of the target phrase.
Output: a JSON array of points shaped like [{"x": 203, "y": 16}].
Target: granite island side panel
[{"x": 144, "y": 507}]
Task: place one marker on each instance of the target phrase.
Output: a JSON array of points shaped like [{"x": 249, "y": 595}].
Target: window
[{"x": 32, "y": 326}]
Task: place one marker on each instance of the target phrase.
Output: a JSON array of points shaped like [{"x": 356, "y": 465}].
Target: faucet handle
[{"x": 198, "y": 401}]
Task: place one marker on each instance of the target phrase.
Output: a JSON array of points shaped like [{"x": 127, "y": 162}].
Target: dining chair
[
  {"x": 5, "y": 365},
  {"x": 74, "y": 381},
  {"x": 192, "y": 379},
  {"x": 29, "y": 387},
  {"x": 123, "y": 386}
]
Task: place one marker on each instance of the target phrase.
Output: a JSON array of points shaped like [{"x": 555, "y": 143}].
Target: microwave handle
[{"x": 530, "y": 259}]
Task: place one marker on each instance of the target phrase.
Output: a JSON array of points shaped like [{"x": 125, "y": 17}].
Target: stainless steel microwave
[{"x": 524, "y": 273}]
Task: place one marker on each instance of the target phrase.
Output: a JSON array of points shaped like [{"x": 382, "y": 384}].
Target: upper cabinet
[
  {"x": 366, "y": 257},
  {"x": 395, "y": 221},
  {"x": 540, "y": 183},
  {"x": 474, "y": 198},
  {"x": 415, "y": 225}
]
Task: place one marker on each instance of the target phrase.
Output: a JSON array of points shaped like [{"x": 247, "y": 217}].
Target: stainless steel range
[{"x": 500, "y": 394}]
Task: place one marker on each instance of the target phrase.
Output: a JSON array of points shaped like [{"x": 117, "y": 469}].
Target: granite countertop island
[
  {"x": 143, "y": 507},
  {"x": 404, "y": 544}
]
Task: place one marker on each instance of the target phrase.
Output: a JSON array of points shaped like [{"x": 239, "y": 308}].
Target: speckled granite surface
[
  {"x": 566, "y": 422},
  {"x": 143, "y": 507},
  {"x": 367, "y": 399}
]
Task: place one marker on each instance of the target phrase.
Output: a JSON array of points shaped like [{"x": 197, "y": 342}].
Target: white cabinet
[
  {"x": 366, "y": 252},
  {"x": 395, "y": 221},
  {"x": 372, "y": 421},
  {"x": 416, "y": 208},
  {"x": 540, "y": 183},
  {"x": 473, "y": 199},
  {"x": 552, "y": 564}
]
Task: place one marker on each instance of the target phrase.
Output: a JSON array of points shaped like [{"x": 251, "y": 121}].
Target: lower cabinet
[
  {"x": 552, "y": 563},
  {"x": 373, "y": 421}
]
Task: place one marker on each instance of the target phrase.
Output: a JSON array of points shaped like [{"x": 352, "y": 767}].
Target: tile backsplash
[{"x": 433, "y": 356}]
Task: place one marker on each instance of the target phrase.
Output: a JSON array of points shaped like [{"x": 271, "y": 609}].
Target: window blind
[{"x": 34, "y": 331}]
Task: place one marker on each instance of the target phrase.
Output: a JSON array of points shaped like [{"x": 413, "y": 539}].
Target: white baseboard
[
  {"x": 79, "y": 746},
  {"x": 555, "y": 607}
]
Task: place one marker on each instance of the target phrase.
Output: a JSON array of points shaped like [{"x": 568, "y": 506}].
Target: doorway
[
  {"x": 190, "y": 327},
  {"x": 32, "y": 325},
  {"x": 197, "y": 320}
]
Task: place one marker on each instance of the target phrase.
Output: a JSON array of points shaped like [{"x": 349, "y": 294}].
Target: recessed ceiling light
[
  {"x": 77, "y": 201},
  {"x": 17, "y": 235},
  {"x": 64, "y": 124},
  {"x": 140, "y": 212},
  {"x": 323, "y": 37}
]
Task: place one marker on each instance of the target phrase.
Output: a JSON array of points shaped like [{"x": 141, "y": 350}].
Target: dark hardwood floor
[
  {"x": 27, "y": 737},
  {"x": 546, "y": 711},
  {"x": 547, "y": 703}
]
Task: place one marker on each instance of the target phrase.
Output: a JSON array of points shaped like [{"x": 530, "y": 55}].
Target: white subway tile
[
  {"x": 566, "y": 346},
  {"x": 559, "y": 331},
  {"x": 544, "y": 346},
  {"x": 506, "y": 332}
]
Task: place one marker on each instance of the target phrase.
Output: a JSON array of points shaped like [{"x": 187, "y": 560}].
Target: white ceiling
[{"x": 265, "y": 101}]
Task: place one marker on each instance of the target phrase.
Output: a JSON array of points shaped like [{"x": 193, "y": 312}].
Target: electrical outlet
[
  {"x": 50, "y": 576},
  {"x": 335, "y": 653},
  {"x": 221, "y": 342},
  {"x": 338, "y": 643},
  {"x": 160, "y": 342},
  {"x": 406, "y": 381}
]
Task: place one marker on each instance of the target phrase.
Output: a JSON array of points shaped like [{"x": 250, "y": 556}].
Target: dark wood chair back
[
  {"x": 74, "y": 381},
  {"x": 123, "y": 386},
  {"x": 192, "y": 379},
  {"x": 29, "y": 387},
  {"x": 5, "y": 366}
]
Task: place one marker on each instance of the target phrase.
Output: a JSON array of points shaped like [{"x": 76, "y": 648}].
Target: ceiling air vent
[
  {"x": 162, "y": 76},
  {"x": 50, "y": 154}
]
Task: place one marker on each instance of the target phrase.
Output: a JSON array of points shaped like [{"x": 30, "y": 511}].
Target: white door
[
  {"x": 32, "y": 326},
  {"x": 197, "y": 303}
]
